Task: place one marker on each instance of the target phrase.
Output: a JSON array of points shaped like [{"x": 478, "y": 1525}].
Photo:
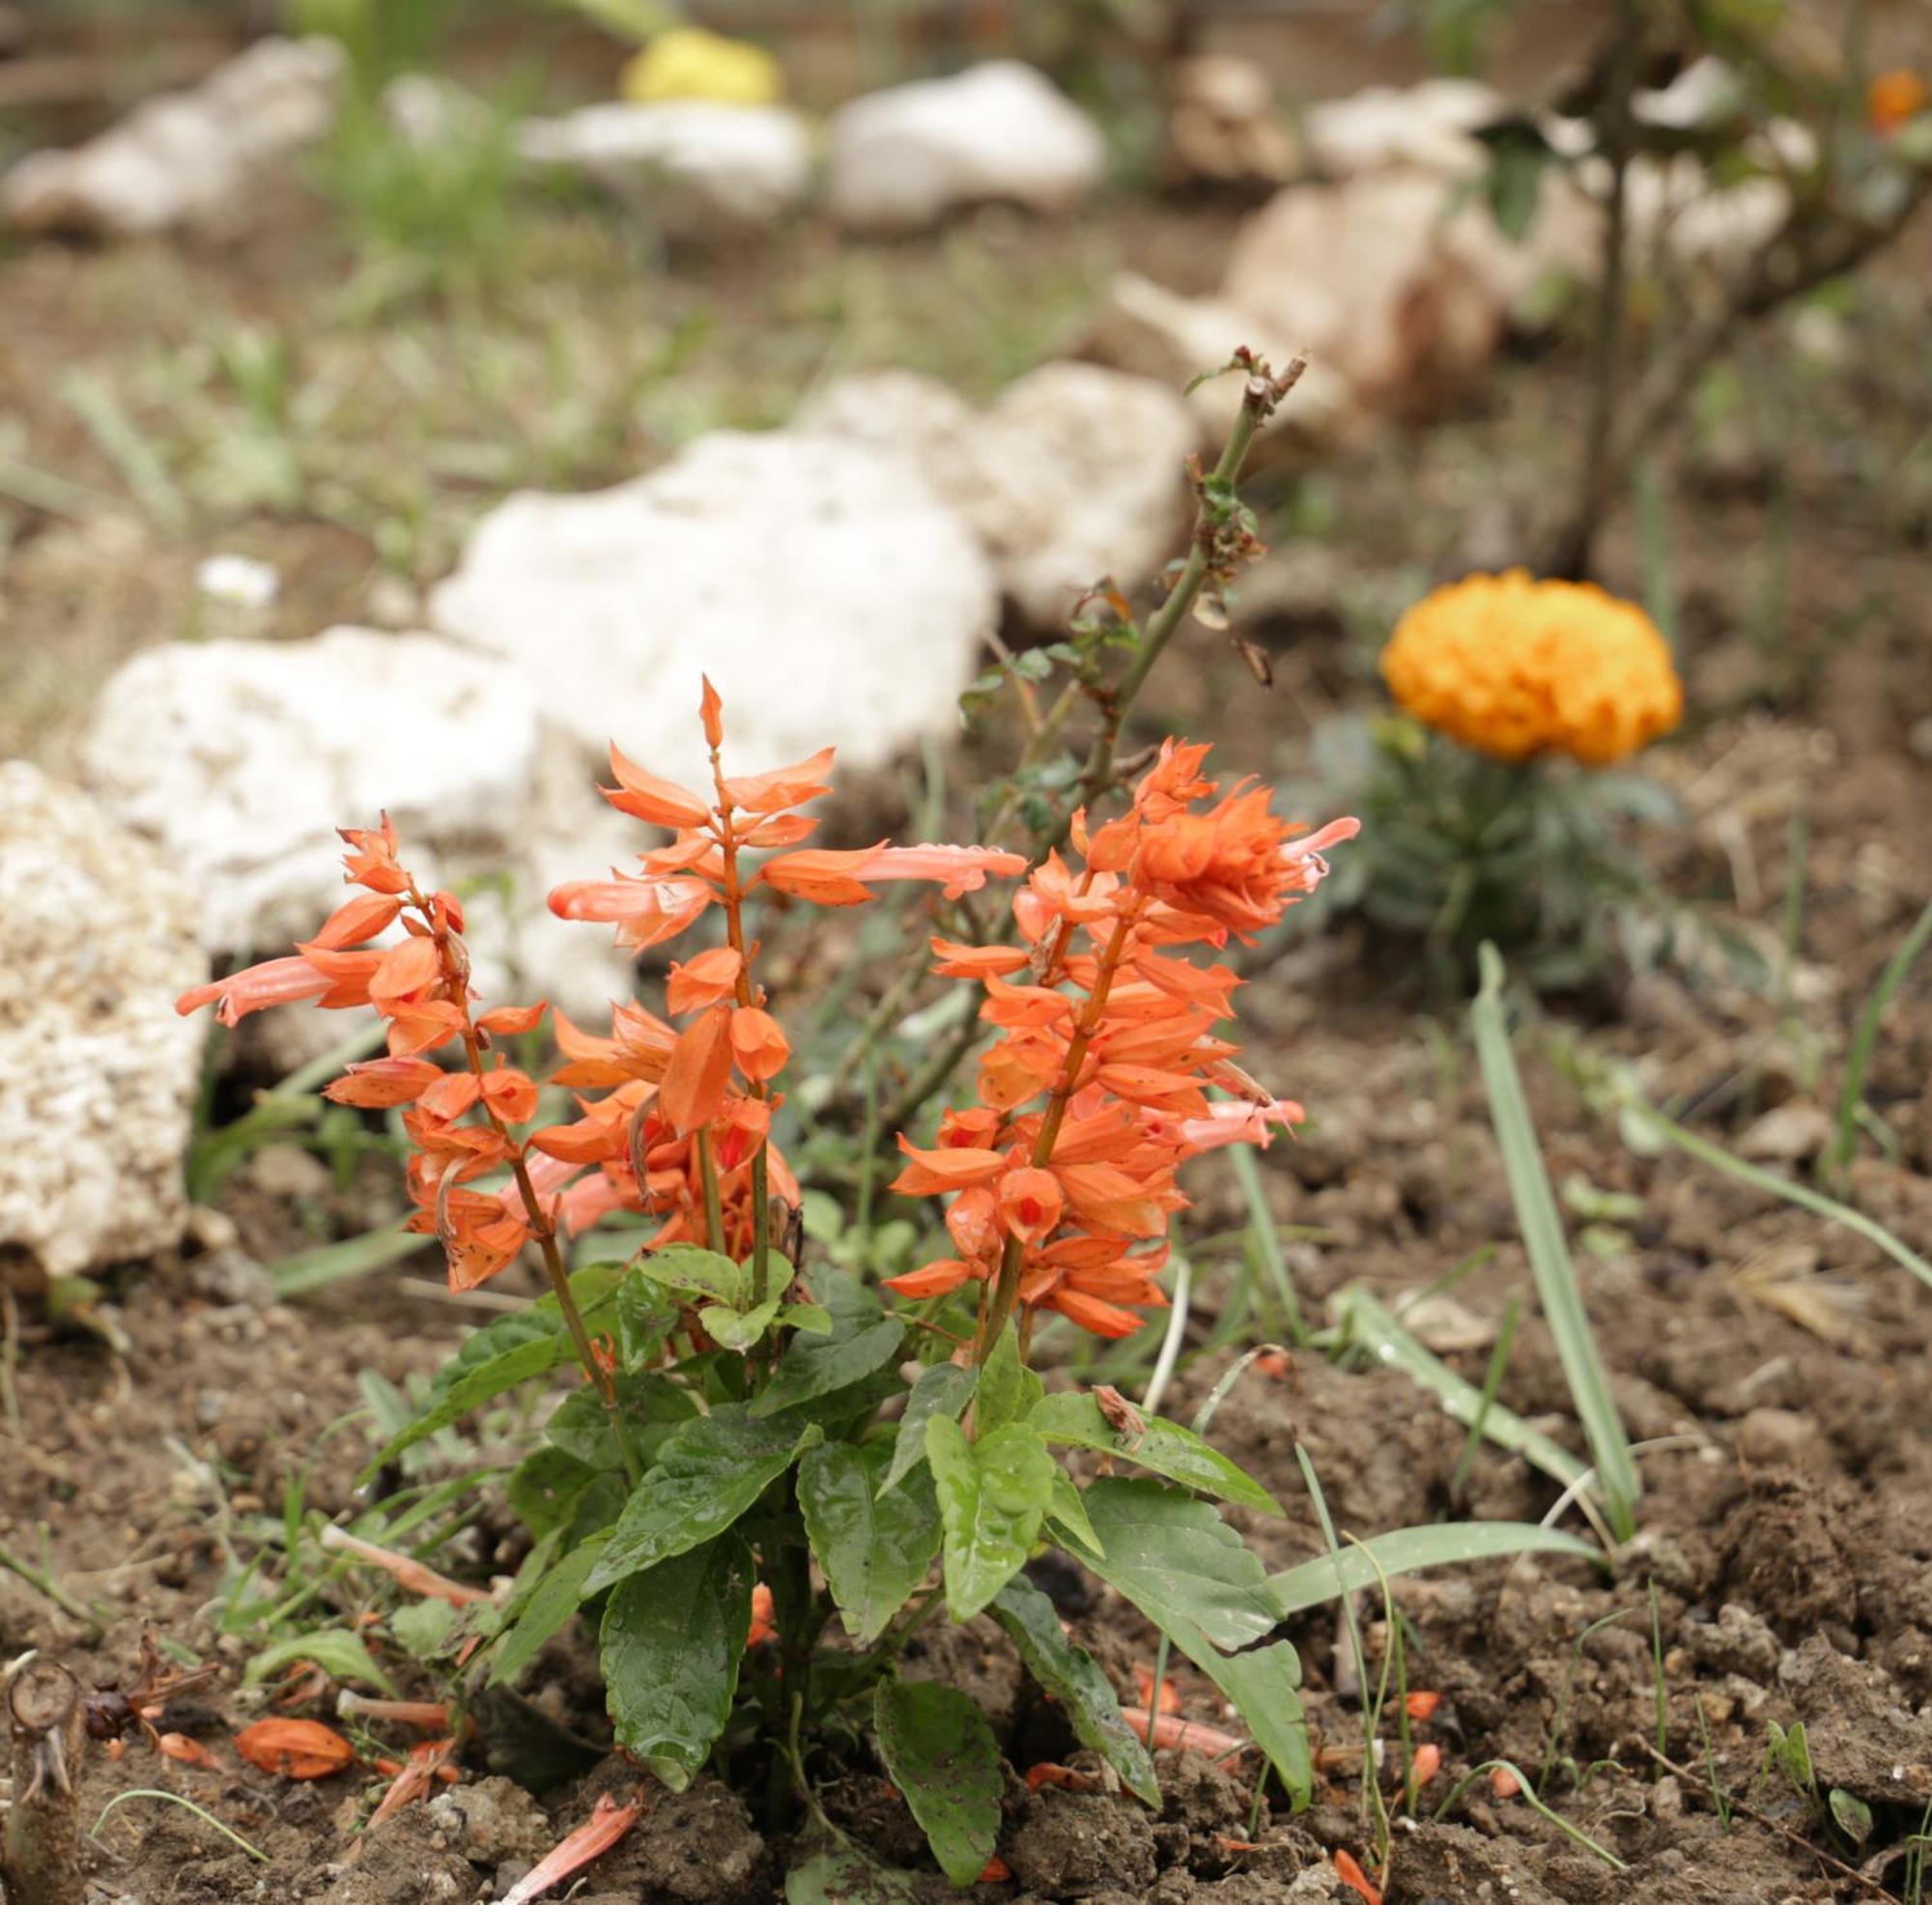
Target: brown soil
[{"x": 1778, "y": 1363}]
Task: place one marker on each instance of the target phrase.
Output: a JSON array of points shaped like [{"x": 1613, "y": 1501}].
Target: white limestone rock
[
  {"x": 904, "y": 159},
  {"x": 827, "y": 592},
  {"x": 1430, "y": 127},
  {"x": 1073, "y": 475},
  {"x": 98, "y": 1073},
  {"x": 189, "y": 161},
  {"x": 697, "y": 168},
  {"x": 1144, "y": 327}
]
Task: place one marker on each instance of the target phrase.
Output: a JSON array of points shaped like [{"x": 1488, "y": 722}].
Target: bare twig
[{"x": 43, "y": 1852}]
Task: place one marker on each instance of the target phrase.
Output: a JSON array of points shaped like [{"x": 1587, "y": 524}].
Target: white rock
[
  {"x": 1144, "y": 327},
  {"x": 1428, "y": 127},
  {"x": 904, "y": 159},
  {"x": 98, "y": 1073},
  {"x": 242, "y": 758},
  {"x": 1223, "y": 128},
  {"x": 827, "y": 592},
  {"x": 1383, "y": 279},
  {"x": 190, "y": 159},
  {"x": 238, "y": 582},
  {"x": 697, "y": 168},
  {"x": 1073, "y": 475}
]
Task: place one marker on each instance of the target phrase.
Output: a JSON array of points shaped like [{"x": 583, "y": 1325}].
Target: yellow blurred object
[
  {"x": 686, "y": 63},
  {"x": 1513, "y": 668},
  {"x": 1893, "y": 97}
]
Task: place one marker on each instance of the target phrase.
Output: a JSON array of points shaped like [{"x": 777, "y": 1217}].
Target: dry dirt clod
[{"x": 43, "y": 1846}]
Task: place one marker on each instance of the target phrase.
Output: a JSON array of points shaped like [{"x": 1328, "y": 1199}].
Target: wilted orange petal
[
  {"x": 1354, "y": 1878},
  {"x": 996, "y": 1871},
  {"x": 295, "y": 1749},
  {"x": 1421, "y": 1706},
  {"x": 762, "y": 1609},
  {"x": 1427, "y": 1763},
  {"x": 190, "y": 1752},
  {"x": 1504, "y": 1783},
  {"x": 606, "y": 1826},
  {"x": 1172, "y": 1734}
]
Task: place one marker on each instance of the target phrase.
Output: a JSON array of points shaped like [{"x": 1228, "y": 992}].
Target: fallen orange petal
[
  {"x": 1050, "y": 1772},
  {"x": 1422, "y": 1706},
  {"x": 426, "y": 1764},
  {"x": 1170, "y": 1694},
  {"x": 1354, "y": 1878},
  {"x": 1427, "y": 1763},
  {"x": 1171, "y": 1735},
  {"x": 190, "y": 1752},
  {"x": 408, "y": 1574},
  {"x": 1504, "y": 1783},
  {"x": 606, "y": 1826},
  {"x": 997, "y": 1871},
  {"x": 296, "y": 1749}
]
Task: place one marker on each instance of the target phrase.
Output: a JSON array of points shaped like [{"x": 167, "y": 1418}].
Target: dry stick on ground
[
  {"x": 1816, "y": 245},
  {"x": 43, "y": 1849},
  {"x": 1700, "y": 1781}
]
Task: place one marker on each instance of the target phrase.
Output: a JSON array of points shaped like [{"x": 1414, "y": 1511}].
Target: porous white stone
[
  {"x": 97, "y": 1072},
  {"x": 1430, "y": 127},
  {"x": 697, "y": 168},
  {"x": 904, "y": 159},
  {"x": 829, "y": 595},
  {"x": 1072, "y": 476},
  {"x": 189, "y": 159}
]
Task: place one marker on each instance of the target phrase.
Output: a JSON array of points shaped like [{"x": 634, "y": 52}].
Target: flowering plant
[
  {"x": 1494, "y": 807},
  {"x": 762, "y": 1446}
]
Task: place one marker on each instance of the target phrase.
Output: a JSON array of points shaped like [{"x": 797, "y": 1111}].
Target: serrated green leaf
[
  {"x": 940, "y": 1754},
  {"x": 843, "y": 1875},
  {"x": 547, "y": 1612},
  {"x": 1164, "y": 1447},
  {"x": 813, "y": 1319},
  {"x": 861, "y": 1342},
  {"x": 1008, "y": 1391},
  {"x": 335, "y": 1650},
  {"x": 874, "y": 1548},
  {"x": 1406, "y": 1550},
  {"x": 703, "y": 1274},
  {"x": 545, "y": 1488},
  {"x": 653, "y": 1405},
  {"x": 993, "y": 1495},
  {"x": 1074, "y": 1679},
  {"x": 422, "y": 1627},
  {"x": 708, "y": 1473},
  {"x": 942, "y": 1390},
  {"x": 1173, "y": 1557},
  {"x": 671, "y": 1647}
]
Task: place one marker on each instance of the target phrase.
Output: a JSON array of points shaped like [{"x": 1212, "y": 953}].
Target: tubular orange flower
[
  {"x": 1093, "y": 1098},
  {"x": 1514, "y": 667}
]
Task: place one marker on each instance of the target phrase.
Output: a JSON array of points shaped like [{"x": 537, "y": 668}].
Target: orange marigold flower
[{"x": 1514, "y": 667}]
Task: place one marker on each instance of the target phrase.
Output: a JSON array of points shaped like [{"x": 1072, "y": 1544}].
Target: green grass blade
[
  {"x": 1653, "y": 1121},
  {"x": 338, "y": 1262},
  {"x": 1406, "y": 1550},
  {"x": 1557, "y": 1285},
  {"x": 1865, "y": 1042},
  {"x": 1264, "y": 1239},
  {"x": 1364, "y": 1321}
]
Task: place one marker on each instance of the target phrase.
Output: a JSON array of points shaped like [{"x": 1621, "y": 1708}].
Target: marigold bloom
[
  {"x": 1893, "y": 99},
  {"x": 1064, "y": 1177},
  {"x": 1516, "y": 667}
]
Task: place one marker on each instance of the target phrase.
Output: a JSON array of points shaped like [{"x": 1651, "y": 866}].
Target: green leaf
[
  {"x": 671, "y": 1647},
  {"x": 545, "y": 1488},
  {"x": 1264, "y": 1687},
  {"x": 1556, "y": 1286},
  {"x": 1364, "y": 1321},
  {"x": 702, "y": 1273},
  {"x": 1407, "y": 1551},
  {"x": 942, "y": 1390},
  {"x": 652, "y": 1404},
  {"x": 513, "y": 1349},
  {"x": 1173, "y": 1557},
  {"x": 1009, "y": 1390},
  {"x": 861, "y": 1342},
  {"x": 546, "y": 1611},
  {"x": 813, "y": 1319},
  {"x": 1068, "y": 1509},
  {"x": 940, "y": 1754},
  {"x": 336, "y": 1263},
  {"x": 731, "y": 1330},
  {"x": 842, "y": 1875},
  {"x": 993, "y": 1494},
  {"x": 874, "y": 1548},
  {"x": 1074, "y": 1679},
  {"x": 335, "y": 1650},
  {"x": 1165, "y": 1447},
  {"x": 707, "y": 1474},
  {"x": 422, "y": 1627}
]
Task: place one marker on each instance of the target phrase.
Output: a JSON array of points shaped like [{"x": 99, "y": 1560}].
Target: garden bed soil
[{"x": 1778, "y": 1363}]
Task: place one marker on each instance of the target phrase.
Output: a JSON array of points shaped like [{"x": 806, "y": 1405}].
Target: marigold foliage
[{"x": 1516, "y": 667}]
